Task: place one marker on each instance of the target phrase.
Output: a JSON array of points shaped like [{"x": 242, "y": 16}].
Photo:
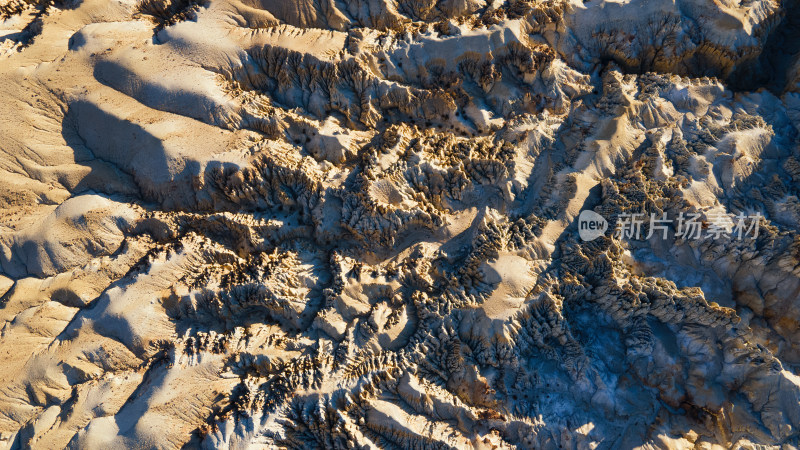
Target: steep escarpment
[{"x": 775, "y": 66}]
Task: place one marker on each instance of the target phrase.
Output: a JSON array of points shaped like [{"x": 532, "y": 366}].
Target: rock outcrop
[{"x": 362, "y": 224}]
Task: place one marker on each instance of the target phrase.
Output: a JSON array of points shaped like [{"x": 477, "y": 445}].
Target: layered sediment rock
[{"x": 355, "y": 224}]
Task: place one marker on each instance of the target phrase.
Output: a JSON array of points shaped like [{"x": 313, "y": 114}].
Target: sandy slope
[{"x": 341, "y": 224}]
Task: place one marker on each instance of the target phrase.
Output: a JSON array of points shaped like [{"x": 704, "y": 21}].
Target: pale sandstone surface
[{"x": 353, "y": 224}]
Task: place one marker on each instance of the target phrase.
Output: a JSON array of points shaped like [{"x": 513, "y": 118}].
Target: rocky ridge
[{"x": 354, "y": 224}]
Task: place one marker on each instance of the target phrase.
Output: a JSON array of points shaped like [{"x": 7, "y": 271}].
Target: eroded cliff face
[{"x": 354, "y": 224}]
